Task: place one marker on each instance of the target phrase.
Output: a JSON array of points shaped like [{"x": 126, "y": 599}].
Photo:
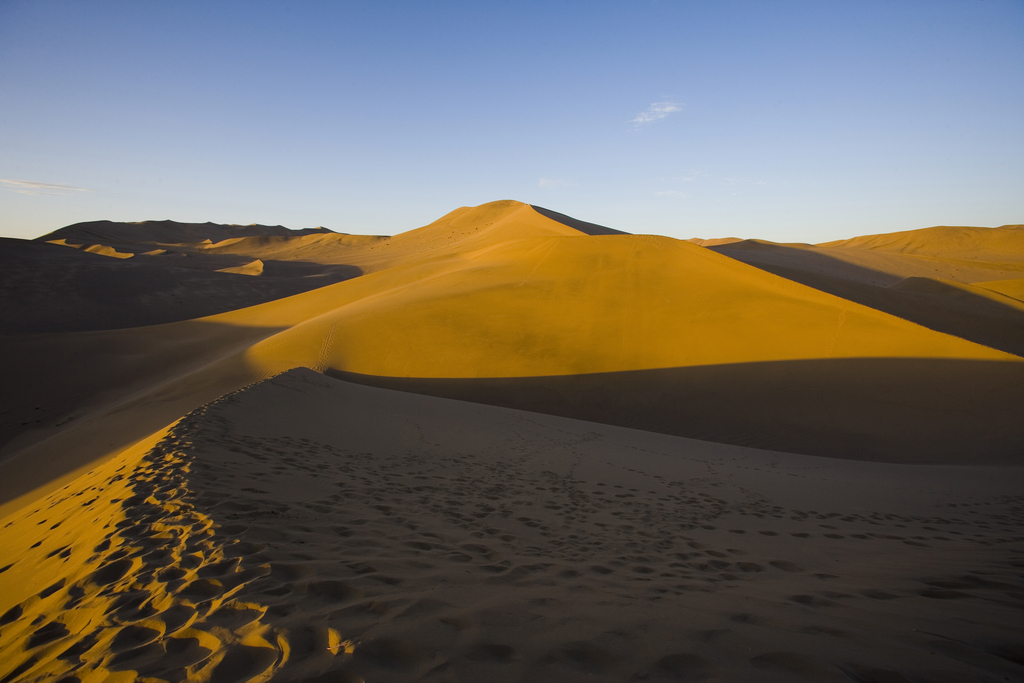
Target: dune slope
[
  {"x": 311, "y": 529},
  {"x": 926, "y": 276}
]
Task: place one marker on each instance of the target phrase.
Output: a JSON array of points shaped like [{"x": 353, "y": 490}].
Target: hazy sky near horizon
[{"x": 788, "y": 121}]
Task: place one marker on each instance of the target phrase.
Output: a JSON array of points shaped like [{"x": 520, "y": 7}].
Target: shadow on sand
[
  {"x": 575, "y": 224},
  {"x": 928, "y": 302},
  {"x": 884, "y": 409}
]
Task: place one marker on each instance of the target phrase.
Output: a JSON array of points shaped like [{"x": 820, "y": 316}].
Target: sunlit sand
[{"x": 510, "y": 445}]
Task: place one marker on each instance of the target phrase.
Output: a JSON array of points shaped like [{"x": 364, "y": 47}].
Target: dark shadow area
[
  {"x": 892, "y": 410},
  {"x": 50, "y": 288},
  {"x": 69, "y": 399},
  {"x": 928, "y": 302},
  {"x": 52, "y": 381},
  {"x": 582, "y": 226}
]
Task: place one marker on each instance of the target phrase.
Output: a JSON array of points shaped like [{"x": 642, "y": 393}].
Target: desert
[
  {"x": 510, "y": 445},
  {"x": 511, "y": 342}
]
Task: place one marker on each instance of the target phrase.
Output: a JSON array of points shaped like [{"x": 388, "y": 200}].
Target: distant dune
[
  {"x": 957, "y": 243},
  {"x": 509, "y": 445},
  {"x": 165, "y": 232},
  {"x": 944, "y": 278},
  {"x": 713, "y": 242},
  {"x": 57, "y": 289}
]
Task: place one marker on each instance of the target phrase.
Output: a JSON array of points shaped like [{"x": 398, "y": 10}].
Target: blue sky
[{"x": 789, "y": 121}]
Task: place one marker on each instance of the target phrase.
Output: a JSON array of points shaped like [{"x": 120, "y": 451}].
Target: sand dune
[
  {"x": 500, "y": 291},
  {"x": 176, "y": 508},
  {"x": 365, "y": 534},
  {"x": 1005, "y": 244},
  {"x": 924, "y": 276},
  {"x": 1012, "y": 288},
  {"x": 718, "y": 241},
  {"x": 164, "y": 232},
  {"x": 251, "y": 268},
  {"x": 51, "y": 288}
]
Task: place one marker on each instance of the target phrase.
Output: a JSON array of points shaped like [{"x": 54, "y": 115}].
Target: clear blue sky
[{"x": 790, "y": 121}]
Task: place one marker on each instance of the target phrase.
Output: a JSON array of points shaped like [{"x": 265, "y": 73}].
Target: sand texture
[
  {"x": 510, "y": 445},
  {"x": 380, "y": 535}
]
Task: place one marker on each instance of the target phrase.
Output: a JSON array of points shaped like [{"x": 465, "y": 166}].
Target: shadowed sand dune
[
  {"x": 582, "y": 226},
  {"x": 925, "y": 276},
  {"x": 311, "y": 529},
  {"x": 860, "y": 408},
  {"x": 165, "y": 232},
  {"x": 178, "y": 509},
  {"x": 49, "y": 288}
]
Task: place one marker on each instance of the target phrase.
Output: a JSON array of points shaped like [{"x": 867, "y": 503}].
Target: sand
[
  {"x": 758, "y": 464},
  {"x": 56, "y": 289},
  {"x": 948, "y": 279},
  {"x": 380, "y": 535}
]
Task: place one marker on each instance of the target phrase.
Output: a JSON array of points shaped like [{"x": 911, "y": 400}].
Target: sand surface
[
  {"x": 741, "y": 461},
  {"x": 957, "y": 280},
  {"x": 50, "y": 288},
  {"x": 308, "y": 528}
]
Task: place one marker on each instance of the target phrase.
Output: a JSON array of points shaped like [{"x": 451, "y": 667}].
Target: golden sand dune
[
  {"x": 251, "y": 268},
  {"x": 311, "y": 529},
  {"x": 960, "y": 243},
  {"x": 1013, "y": 288},
  {"x": 107, "y": 251},
  {"x": 509, "y": 307},
  {"x": 718, "y": 241},
  {"x": 177, "y": 509},
  {"x": 924, "y": 276}
]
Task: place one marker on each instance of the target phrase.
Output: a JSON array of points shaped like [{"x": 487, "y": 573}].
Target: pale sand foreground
[{"x": 308, "y": 528}]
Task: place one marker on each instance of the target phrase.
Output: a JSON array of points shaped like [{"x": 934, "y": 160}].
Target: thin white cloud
[
  {"x": 36, "y": 187},
  {"x": 671, "y": 193},
  {"x": 742, "y": 181},
  {"x": 656, "y": 112},
  {"x": 551, "y": 183}
]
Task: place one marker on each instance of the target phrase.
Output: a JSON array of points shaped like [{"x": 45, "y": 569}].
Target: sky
[{"x": 788, "y": 121}]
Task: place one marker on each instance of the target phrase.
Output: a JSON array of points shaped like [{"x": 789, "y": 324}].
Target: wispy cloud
[
  {"x": 656, "y": 112},
  {"x": 742, "y": 181},
  {"x": 36, "y": 187},
  {"x": 551, "y": 183},
  {"x": 671, "y": 193}
]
